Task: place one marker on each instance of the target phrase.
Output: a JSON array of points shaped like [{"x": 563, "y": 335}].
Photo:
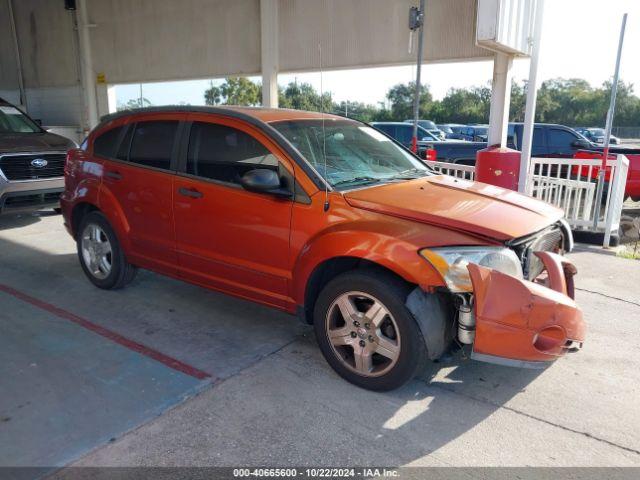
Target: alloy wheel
[
  {"x": 96, "y": 251},
  {"x": 363, "y": 334}
]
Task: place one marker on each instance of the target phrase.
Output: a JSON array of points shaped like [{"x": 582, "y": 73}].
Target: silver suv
[{"x": 31, "y": 163}]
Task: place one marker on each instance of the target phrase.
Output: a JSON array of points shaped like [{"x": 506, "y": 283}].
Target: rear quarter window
[
  {"x": 105, "y": 144},
  {"x": 153, "y": 142}
]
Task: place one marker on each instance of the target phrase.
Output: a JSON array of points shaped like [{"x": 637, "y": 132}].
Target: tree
[
  {"x": 234, "y": 91},
  {"x": 304, "y": 97},
  {"x": 357, "y": 110},
  {"x": 401, "y": 98},
  {"x": 571, "y": 102},
  {"x": 462, "y": 105},
  {"x": 212, "y": 95},
  {"x": 518, "y": 102},
  {"x": 134, "y": 103}
]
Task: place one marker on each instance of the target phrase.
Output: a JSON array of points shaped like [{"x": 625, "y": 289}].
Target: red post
[
  {"x": 498, "y": 166},
  {"x": 414, "y": 145}
]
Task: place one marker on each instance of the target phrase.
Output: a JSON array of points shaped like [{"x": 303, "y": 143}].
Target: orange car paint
[
  {"x": 265, "y": 249},
  {"x": 517, "y": 319}
]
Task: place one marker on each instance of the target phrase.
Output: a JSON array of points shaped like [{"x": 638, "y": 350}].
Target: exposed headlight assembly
[{"x": 451, "y": 263}]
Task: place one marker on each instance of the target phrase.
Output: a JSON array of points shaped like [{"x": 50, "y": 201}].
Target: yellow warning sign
[{"x": 101, "y": 79}]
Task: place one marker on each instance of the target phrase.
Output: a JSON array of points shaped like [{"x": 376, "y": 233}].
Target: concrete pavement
[{"x": 278, "y": 403}]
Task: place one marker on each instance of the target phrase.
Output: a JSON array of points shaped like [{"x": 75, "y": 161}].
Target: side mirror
[
  {"x": 263, "y": 180},
  {"x": 581, "y": 144}
]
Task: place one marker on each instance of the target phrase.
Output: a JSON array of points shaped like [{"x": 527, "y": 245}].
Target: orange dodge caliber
[{"x": 329, "y": 219}]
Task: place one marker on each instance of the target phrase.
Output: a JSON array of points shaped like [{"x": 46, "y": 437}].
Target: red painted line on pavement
[{"x": 111, "y": 335}]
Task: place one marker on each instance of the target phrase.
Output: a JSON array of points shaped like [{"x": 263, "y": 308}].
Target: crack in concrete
[
  {"x": 631, "y": 302},
  {"x": 533, "y": 417}
]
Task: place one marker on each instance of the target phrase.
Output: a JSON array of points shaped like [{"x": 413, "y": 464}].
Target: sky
[{"x": 579, "y": 40}]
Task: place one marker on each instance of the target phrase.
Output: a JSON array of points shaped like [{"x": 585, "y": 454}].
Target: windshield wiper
[{"x": 363, "y": 179}]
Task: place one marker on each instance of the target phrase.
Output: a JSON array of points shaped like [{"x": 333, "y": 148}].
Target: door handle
[
  {"x": 114, "y": 175},
  {"x": 190, "y": 192}
]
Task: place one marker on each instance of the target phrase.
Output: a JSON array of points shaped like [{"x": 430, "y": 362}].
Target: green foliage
[
  {"x": 134, "y": 103},
  {"x": 570, "y": 102},
  {"x": 304, "y": 97},
  {"x": 401, "y": 97},
  {"x": 464, "y": 106},
  {"x": 234, "y": 91}
]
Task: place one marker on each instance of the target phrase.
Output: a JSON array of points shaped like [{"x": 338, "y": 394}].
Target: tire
[
  {"x": 380, "y": 351},
  {"x": 109, "y": 271}
]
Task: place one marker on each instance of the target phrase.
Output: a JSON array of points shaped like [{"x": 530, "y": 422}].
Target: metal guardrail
[{"x": 569, "y": 184}]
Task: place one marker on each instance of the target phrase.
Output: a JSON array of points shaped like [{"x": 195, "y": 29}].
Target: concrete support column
[
  {"x": 270, "y": 53},
  {"x": 500, "y": 99},
  {"x": 106, "y": 96},
  {"x": 86, "y": 66}
]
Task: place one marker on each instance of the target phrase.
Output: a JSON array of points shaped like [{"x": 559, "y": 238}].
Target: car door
[
  {"x": 561, "y": 142},
  {"x": 388, "y": 129},
  {"x": 138, "y": 185},
  {"x": 404, "y": 134},
  {"x": 227, "y": 237},
  {"x": 539, "y": 147}
]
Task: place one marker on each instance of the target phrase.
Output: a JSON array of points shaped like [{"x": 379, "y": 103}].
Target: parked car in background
[
  {"x": 403, "y": 133},
  {"x": 328, "y": 218},
  {"x": 452, "y": 131},
  {"x": 475, "y": 133},
  {"x": 31, "y": 163},
  {"x": 430, "y": 127},
  {"x": 596, "y": 135},
  {"x": 549, "y": 140}
]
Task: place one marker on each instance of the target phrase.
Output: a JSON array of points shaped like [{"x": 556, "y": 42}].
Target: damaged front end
[
  {"x": 519, "y": 322},
  {"x": 513, "y": 305}
]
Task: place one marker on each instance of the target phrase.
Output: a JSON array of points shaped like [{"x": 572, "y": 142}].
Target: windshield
[
  {"x": 13, "y": 120},
  {"x": 596, "y": 132},
  {"x": 445, "y": 128},
  {"x": 355, "y": 153},
  {"x": 426, "y": 135}
]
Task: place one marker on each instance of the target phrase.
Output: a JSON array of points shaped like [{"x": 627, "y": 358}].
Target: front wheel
[
  {"x": 100, "y": 254},
  {"x": 365, "y": 331}
]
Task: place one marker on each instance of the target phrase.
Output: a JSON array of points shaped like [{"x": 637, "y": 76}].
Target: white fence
[
  {"x": 467, "y": 172},
  {"x": 570, "y": 184}
]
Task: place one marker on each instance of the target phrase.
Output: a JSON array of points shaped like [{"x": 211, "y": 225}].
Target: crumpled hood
[
  {"x": 459, "y": 204},
  {"x": 33, "y": 142}
]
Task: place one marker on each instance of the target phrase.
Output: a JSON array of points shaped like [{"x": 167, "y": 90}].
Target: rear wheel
[
  {"x": 100, "y": 254},
  {"x": 365, "y": 331}
]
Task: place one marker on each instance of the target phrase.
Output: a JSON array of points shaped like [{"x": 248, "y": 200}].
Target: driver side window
[{"x": 223, "y": 153}]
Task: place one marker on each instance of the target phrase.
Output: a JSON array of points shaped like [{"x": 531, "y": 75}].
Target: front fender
[{"x": 397, "y": 255}]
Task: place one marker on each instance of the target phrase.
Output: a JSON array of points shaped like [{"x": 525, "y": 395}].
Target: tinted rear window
[
  {"x": 105, "y": 145},
  {"x": 153, "y": 142}
]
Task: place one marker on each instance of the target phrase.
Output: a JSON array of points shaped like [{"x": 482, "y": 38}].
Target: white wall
[{"x": 55, "y": 105}]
